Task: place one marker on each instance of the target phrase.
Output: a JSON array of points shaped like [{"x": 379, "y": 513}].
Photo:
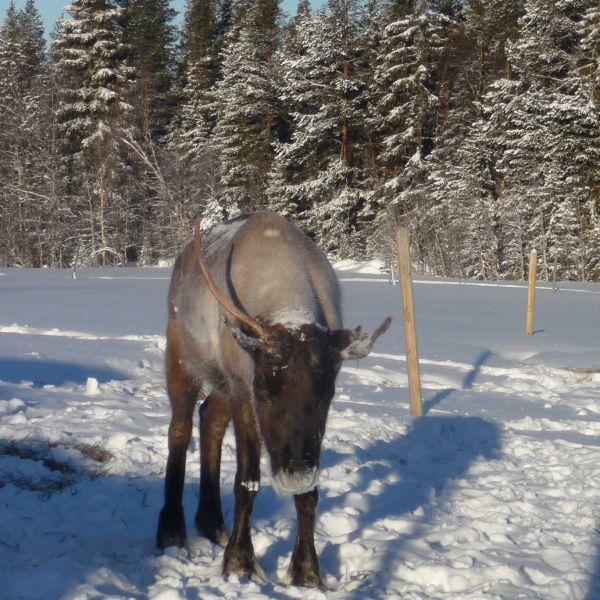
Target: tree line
[{"x": 476, "y": 123}]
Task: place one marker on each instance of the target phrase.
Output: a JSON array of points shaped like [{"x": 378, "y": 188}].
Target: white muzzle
[{"x": 295, "y": 483}]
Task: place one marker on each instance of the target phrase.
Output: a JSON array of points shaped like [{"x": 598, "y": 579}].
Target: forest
[{"x": 475, "y": 123}]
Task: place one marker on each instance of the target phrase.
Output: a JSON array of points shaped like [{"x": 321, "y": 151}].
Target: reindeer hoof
[
  {"x": 303, "y": 576},
  {"x": 171, "y": 528},
  {"x": 215, "y": 532},
  {"x": 244, "y": 565}
]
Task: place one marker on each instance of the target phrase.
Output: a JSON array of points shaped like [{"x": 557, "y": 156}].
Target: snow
[
  {"x": 294, "y": 318},
  {"x": 493, "y": 494},
  {"x": 373, "y": 267}
]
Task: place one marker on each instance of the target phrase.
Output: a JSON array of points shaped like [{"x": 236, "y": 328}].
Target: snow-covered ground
[{"x": 494, "y": 493}]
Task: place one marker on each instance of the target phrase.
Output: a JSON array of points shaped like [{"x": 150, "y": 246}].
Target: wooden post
[
  {"x": 410, "y": 333},
  {"x": 531, "y": 292}
]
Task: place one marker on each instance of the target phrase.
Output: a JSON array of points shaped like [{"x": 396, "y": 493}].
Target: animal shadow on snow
[
  {"x": 467, "y": 384},
  {"x": 43, "y": 371},
  {"x": 109, "y": 521},
  {"x": 472, "y": 375},
  {"x": 415, "y": 470},
  {"x": 594, "y": 591}
]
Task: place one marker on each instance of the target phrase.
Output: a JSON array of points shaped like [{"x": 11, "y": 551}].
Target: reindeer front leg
[
  {"x": 239, "y": 554},
  {"x": 304, "y": 566}
]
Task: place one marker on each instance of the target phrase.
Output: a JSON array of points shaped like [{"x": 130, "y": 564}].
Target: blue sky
[{"x": 52, "y": 9}]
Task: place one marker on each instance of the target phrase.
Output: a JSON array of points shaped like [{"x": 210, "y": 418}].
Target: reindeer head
[{"x": 295, "y": 368}]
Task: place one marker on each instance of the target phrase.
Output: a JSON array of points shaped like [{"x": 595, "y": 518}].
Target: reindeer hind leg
[
  {"x": 215, "y": 414},
  {"x": 183, "y": 393}
]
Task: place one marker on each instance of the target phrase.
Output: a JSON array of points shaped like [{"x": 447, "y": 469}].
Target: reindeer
[{"x": 273, "y": 374}]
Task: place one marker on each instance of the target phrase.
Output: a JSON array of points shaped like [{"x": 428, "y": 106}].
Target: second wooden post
[
  {"x": 410, "y": 332},
  {"x": 531, "y": 292}
]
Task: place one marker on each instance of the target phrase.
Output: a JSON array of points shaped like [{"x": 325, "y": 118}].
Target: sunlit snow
[{"x": 493, "y": 494}]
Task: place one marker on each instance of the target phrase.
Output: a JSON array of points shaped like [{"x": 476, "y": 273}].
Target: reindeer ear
[
  {"x": 250, "y": 341},
  {"x": 356, "y": 343},
  {"x": 246, "y": 338}
]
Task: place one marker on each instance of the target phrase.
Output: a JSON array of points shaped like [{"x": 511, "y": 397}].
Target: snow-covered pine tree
[
  {"x": 247, "y": 108},
  {"x": 21, "y": 59},
  {"x": 26, "y": 134},
  {"x": 591, "y": 212},
  {"x": 31, "y": 33},
  {"x": 201, "y": 48},
  {"x": 463, "y": 188},
  {"x": 405, "y": 106},
  {"x": 343, "y": 212},
  {"x": 458, "y": 230},
  {"x": 368, "y": 45},
  {"x": 94, "y": 82},
  {"x": 150, "y": 36},
  {"x": 13, "y": 204},
  {"x": 317, "y": 174},
  {"x": 289, "y": 78},
  {"x": 551, "y": 138},
  {"x": 292, "y": 43},
  {"x": 521, "y": 176},
  {"x": 190, "y": 161},
  {"x": 591, "y": 46}
]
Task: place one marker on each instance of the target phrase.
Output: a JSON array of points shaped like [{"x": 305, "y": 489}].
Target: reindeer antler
[
  {"x": 362, "y": 343},
  {"x": 260, "y": 330}
]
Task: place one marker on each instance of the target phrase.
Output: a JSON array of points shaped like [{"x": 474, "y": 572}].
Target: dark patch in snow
[{"x": 61, "y": 472}]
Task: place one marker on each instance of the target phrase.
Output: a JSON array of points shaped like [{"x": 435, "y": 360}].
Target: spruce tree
[
  {"x": 537, "y": 141},
  {"x": 405, "y": 108},
  {"x": 31, "y": 33},
  {"x": 11, "y": 206},
  {"x": 459, "y": 230},
  {"x": 552, "y": 140},
  {"x": 287, "y": 169},
  {"x": 591, "y": 212},
  {"x": 317, "y": 174},
  {"x": 13, "y": 57},
  {"x": 25, "y": 151},
  {"x": 247, "y": 108},
  {"x": 94, "y": 84},
  {"x": 201, "y": 48},
  {"x": 591, "y": 46},
  {"x": 150, "y": 36}
]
